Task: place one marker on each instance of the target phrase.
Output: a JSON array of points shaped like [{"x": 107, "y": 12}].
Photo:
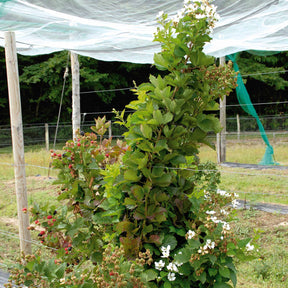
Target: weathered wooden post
[
  {"x": 110, "y": 129},
  {"x": 17, "y": 141},
  {"x": 221, "y": 137},
  {"x": 76, "y": 116},
  {"x": 238, "y": 127},
  {"x": 47, "y": 136}
]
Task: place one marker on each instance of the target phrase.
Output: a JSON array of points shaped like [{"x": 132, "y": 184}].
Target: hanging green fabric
[{"x": 246, "y": 104}]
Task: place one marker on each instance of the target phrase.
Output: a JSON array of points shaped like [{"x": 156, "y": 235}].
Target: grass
[
  {"x": 267, "y": 185},
  {"x": 270, "y": 270},
  {"x": 248, "y": 152},
  {"x": 39, "y": 190},
  {"x": 37, "y": 162}
]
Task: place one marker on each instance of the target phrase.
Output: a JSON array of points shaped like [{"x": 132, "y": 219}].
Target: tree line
[{"x": 41, "y": 84}]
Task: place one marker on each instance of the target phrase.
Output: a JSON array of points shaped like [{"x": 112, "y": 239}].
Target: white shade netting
[{"x": 122, "y": 30}]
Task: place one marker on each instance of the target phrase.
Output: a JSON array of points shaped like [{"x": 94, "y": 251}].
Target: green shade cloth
[{"x": 246, "y": 104}]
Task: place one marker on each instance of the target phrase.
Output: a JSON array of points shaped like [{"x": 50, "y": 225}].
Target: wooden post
[
  {"x": 47, "y": 136},
  {"x": 110, "y": 129},
  {"x": 17, "y": 140},
  {"x": 221, "y": 139},
  {"x": 76, "y": 116},
  {"x": 238, "y": 127},
  {"x": 218, "y": 147}
]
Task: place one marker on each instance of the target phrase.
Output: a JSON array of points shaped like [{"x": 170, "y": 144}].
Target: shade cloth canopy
[{"x": 122, "y": 30}]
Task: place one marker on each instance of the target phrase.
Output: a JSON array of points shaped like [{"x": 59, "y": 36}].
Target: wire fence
[{"x": 238, "y": 128}]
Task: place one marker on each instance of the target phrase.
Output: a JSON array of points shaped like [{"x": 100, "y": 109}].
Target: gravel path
[
  {"x": 267, "y": 207},
  {"x": 253, "y": 166},
  {"x": 3, "y": 278}
]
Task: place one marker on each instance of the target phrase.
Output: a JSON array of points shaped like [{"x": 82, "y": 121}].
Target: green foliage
[
  {"x": 36, "y": 80},
  {"x": 83, "y": 221},
  {"x": 41, "y": 80},
  {"x": 79, "y": 229},
  {"x": 3, "y": 81},
  {"x": 115, "y": 271},
  {"x": 172, "y": 118},
  {"x": 264, "y": 69},
  {"x": 50, "y": 73},
  {"x": 169, "y": 123},
  {"x": 207, "y": 176}
]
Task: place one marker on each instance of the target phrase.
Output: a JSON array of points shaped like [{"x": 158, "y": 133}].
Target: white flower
[
  {"x": 190, "y": 234},
  {"x": 62, "y": 281},
  {"x": 210, "y": 212},
  {"x": 249, "y": 247},
  {"x": 176, "y": 19},
  {"x": 172, "y": 267},
  {"x": 214, "y": 219},
  {"x": 200, "y": 16},
  {"x": 223, "y": 193},
  {"x": 217, "y": 17},
  {"x": 226, "y": 226},
  {"x": 200, "y": 250},
  {"x": 209, "y": 244},
  {"x": 221, "y": 237},
  {"x": 165, "y": 251},
  {"x": 224, "y": 212},
  {"x": 171, "y": 276},
  {"x": 160, "y": 14},
  {"x": 235, "y": 203},
  {"x": 206, "y": 195},
  {"x": 159, "y": 265}
]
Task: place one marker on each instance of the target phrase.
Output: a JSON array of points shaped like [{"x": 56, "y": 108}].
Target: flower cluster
[
  {"x": 205, "y": 240},
  {"x": 190, "y": 234},
  {"x": 210, "y": 245},
  {"x": 196, "y": 11},
  {"x": 171, "y": 267}
]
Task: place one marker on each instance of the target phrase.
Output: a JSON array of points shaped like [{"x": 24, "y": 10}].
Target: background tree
[
  {"x": 42, "y": 80},
  {"x": 264, "y": 81},
  {"x": 41, "y": 83}
]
